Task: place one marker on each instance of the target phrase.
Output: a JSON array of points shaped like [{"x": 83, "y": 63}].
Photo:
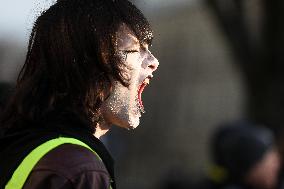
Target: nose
[{"x": 153, "y": 63}]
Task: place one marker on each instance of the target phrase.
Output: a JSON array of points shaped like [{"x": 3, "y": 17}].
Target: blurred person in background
[
  {"x": 87, "y": 64},
  {"x": 244, "y": 157}
]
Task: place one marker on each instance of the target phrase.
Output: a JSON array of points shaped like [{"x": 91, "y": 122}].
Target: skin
[
  {"x": 264, "y": 174},
  {"x": 121, "y": 108}
]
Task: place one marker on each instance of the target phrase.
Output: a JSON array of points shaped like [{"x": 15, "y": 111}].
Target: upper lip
[{"x": 147, "y": 79}]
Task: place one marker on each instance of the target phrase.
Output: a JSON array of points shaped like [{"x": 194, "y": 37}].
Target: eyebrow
[
  {"x": 134, "y": 38},
  {"x": 137, "y": 42},
  {"x": 132, "y": 42}
]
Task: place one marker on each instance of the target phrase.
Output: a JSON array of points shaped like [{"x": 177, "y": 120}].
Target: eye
[
  {"x": 130, "y": 51},
  {"x": 124, "y": 53}
]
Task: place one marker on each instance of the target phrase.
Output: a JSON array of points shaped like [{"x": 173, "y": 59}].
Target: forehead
[{"x": 125, "y": 36}]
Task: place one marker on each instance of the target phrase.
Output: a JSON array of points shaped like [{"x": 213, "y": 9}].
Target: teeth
[{"x": 146, "y": 81}]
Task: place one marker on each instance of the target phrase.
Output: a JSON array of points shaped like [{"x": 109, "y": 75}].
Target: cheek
[
  {"x": 114, "y": 107},
  {"x": 136, "y": 71},
  {"x": 133, "y": 60}
]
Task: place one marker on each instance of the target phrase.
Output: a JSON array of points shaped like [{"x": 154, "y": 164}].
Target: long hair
[{"x": 71, "y": 59}]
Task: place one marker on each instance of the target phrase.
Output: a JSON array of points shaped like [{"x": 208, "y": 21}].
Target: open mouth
[{"x": 141, "y": 88}]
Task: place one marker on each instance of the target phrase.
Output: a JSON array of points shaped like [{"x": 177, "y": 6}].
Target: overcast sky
[{"x": 17, "y": 16}]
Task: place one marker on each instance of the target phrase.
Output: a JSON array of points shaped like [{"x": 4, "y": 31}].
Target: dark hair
[
  {"x": 71, "y": 59},
  {"x": 5, "y": 92}
]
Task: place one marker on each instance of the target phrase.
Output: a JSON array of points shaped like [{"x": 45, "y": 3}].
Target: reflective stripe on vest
[{"x": 21, "y": 174}]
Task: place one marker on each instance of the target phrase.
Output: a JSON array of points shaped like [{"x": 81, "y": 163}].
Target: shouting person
[{"x": 87, "y": 64}]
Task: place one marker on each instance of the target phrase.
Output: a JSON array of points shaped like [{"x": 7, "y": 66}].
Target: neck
[{"x": 101, "y": 129}]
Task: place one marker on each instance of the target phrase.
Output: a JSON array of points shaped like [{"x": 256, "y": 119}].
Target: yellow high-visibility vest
[{"x": 22, "y": 172}]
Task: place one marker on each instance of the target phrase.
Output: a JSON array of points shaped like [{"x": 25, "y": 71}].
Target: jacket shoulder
[{"x": 66, "y": 165}]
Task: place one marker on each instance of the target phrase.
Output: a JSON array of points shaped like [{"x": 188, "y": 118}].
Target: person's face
[
  {"x": 124, "y": 106},
  {"x": 264, "y": 174}
]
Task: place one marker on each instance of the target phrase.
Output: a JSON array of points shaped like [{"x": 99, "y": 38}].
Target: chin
[
  {"x": 123, "y": 107},
  {"x": 123, "y": 119},
  {"x": 129, "y": 124}
]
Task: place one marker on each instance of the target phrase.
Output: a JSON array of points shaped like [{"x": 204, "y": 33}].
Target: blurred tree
[{"x": 255, "y": 30}]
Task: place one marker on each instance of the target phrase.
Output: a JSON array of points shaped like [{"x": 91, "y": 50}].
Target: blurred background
[{"x": 220, "y": 60}]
